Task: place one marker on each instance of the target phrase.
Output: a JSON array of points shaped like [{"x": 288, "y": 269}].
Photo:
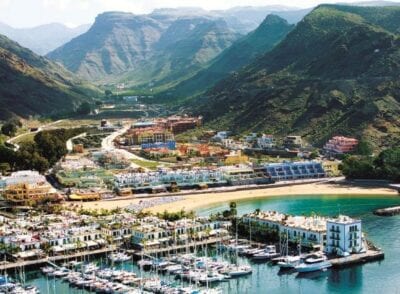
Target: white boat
[
  {"x": 289, "y": 262},
  {"x": 268, "y": 253},
  {"x": 240, "y": 271},
  {"x": 119, "y": 257},
  {"x": 315, "y": 263}
]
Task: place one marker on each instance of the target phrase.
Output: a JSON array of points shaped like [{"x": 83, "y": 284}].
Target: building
[
  {"x": 171, "y": 145},
  {"x": 310, "y": 231},
  {"x": 344, "y": 236},
  {"x": 148, "y": 135},
  {"x": 236, "y": 158},
  {"x": 266, "y": 142},
  {"x": 331, "y": 168},
  {"x": 24, "y": 193},
  {"x": 25, "y": 186},
  {"x": 245, "y": 175},
  {"x": 295, "y": 170},
  {"x": 340, "y": 145},
  {"x": 291, "y": 142}
]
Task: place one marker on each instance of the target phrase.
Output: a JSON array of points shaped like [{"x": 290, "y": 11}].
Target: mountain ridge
[{"x": 335, "y": 73}]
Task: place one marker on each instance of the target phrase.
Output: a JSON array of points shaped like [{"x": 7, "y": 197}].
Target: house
[{"x": 293, "y": 142}]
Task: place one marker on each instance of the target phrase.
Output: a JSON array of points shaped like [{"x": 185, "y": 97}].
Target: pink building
[{"x": 340, "y": 145}]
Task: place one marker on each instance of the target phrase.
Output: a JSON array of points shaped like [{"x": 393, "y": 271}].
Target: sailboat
[
  {"x": 239, "y": 270},
  {"x": 288, "y": 261}
]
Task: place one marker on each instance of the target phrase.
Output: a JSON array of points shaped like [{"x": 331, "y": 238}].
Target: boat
[
  {"x": 145, "y": 264},
  {"x": 268, "y": 253},
  {"x": 316, "y": 262},
  {"x": 47, "y": 269},
  {"x": 119, "y": 257},
  {"x": 289, "y": 262},
  {"x": 239, "y": 271}
]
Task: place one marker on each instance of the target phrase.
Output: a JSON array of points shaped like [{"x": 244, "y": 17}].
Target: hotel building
[
  {"x": 340, "y": 145},
  {"x": 344, "y": 236}
]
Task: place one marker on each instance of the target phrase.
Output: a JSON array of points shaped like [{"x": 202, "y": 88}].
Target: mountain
[
  {"x": 144, "y": 48},
  {"x": 31, "y": 84},
  {"x": 271, "y": 31},
  {"x": 43, "y": 39},
  {"x": 335, "y": 73},
  {"x": 245, "y": 19}
]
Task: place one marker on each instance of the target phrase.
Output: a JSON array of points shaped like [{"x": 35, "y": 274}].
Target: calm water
[{"x": 378, "y": 277}]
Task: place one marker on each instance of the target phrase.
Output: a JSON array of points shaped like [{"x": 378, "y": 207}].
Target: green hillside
[
  {"x": 271, "y": 31},
  {"x": 31, "y": 84},
  {"x": 335, "y": 73}
]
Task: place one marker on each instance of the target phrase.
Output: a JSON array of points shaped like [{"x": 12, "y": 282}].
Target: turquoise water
[{"x": 378, "y": 277}]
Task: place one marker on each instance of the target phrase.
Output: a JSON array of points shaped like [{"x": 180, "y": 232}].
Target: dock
[
  {"x": 177, "y": 248},
  {"x": 390, "y": 211},
  {"x": 370, "y": 255},
  {"x": 53, "y": 259}
]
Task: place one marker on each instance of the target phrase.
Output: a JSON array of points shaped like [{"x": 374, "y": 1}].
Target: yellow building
[
  {"x": 24, "y": 192},
  {"x": 332, "y": 168},
  {"x": 84, "y": 196}
]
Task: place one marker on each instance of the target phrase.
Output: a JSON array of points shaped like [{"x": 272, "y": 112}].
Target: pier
[
  {"x": 390, "y": 211},
  {"x": 370, "y": 255},
  {"x": 177, "y": 248},
  {"x": 53, "y": 259}
]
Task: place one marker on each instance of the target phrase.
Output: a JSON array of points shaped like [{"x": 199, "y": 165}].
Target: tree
[
  {"x": 364, "y": 148},
  {"x": 4, "y": 167},
  {"x": 108, "y": 93},
  {"x": 9, "y": 128},
  {"x": 84, "y": 108}
]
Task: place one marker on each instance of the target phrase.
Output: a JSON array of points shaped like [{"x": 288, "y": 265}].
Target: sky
[{"x": 29, "y": 13}]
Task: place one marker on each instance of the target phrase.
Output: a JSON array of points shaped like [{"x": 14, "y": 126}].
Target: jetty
[
  {"x": 178, "y": 248},
  {"x": 53, "y": 259},
  {"x": 369, "y": 256},
  {"x": 390, "y": 211}
]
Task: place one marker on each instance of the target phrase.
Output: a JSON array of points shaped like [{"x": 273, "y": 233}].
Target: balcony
[
  {"x": 334, "y": 237},
  {"x": 333, "y": 230}
]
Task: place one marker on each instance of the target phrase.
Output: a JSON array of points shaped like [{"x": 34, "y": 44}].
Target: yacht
[
  {"x": 239, "y": 271},
  {"x": 268, "y": 253},
  {"x": 289, "y": 262},
  {"x": 313, "y": 263},
  {"x": 119, "y": 257}
]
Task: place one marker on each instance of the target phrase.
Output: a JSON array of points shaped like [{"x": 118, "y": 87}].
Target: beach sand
[{"x": 192, "y": 202}]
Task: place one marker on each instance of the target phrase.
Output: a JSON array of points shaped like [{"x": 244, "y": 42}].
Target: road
[{"x": 41, "y": 128}]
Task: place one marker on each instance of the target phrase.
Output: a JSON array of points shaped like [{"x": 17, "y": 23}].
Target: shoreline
[{"x": 208, "y": 199}]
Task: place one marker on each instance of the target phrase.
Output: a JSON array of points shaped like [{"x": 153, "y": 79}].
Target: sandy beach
[{"x": 192, "y": 202}]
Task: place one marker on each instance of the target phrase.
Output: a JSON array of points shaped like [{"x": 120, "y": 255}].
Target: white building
[
  {"x": 344, "y": 236},
  {"x": 310, "y": 231}
]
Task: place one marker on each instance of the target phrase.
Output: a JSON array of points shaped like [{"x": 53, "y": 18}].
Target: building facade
[
  {"x": 340, "y": 145},
  {"x": 344, "y": 236}
]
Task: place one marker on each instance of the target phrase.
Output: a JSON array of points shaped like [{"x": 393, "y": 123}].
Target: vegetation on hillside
[
  {"x": 46, "y": 149},
  {"x": 385, "y": 166},
  {"x": 335, "y": 73},
  {"x": 31, "y": 84}
]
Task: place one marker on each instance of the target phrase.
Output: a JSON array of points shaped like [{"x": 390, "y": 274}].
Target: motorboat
[
  {"x": 289, "y": 262},
  {"x": 268, "y": 253},
  {"x": 314, "y": 263},
  {"x": 119, "y": 257},
  {"x": 240, "y": 271}
]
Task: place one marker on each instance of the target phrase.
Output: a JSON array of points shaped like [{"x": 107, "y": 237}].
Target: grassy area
[
  {"x": 25, "y": 138},
  {"x": 147, "y": 164}
]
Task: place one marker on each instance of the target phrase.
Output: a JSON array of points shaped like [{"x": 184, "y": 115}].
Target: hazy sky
[{"x": 27, "y": 13}]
